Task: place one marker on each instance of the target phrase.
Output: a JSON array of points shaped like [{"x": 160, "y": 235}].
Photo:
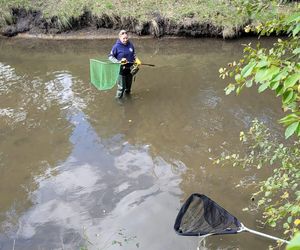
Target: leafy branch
[
  {"x": 277, "y": 69},
  {"x": 278, "y": 195}
]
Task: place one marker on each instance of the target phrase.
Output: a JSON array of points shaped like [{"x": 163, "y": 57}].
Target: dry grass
[{"x": 217, "y": 12}]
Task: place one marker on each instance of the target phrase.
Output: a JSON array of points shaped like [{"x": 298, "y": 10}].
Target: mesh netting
[
  {"x": 200, "y": 215},
  {"x": 104, "y": 73}
]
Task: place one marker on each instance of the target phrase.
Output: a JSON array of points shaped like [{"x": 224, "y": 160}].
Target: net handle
[
  {"x": 245, "y": 229},
  {"x": 144, "y": 64},
  {"x": 148, "y": 64}
]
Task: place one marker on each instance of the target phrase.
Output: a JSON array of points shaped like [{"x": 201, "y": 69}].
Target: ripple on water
[
  {"x": 60, "y": 88},
  {"x": 8, "y": 78},
  {"x": 13, "y": 116}
]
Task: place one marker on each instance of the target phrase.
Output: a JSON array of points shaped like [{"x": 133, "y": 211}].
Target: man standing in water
[{"x": 123, "y": 52}]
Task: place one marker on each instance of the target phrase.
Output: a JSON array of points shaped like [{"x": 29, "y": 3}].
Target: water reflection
[
  {"x": 78, "y": 168},
  {"x": 28, "y": 142}
]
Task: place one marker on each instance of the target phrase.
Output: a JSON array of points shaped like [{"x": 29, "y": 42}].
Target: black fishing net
[{"x": 199, "y": 215}]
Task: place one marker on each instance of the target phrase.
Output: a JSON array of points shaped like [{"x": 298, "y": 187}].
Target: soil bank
[{"x": 31, "y": 24}]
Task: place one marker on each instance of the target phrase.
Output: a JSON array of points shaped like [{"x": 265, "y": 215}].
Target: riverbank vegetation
[
  {"x": 275, "y": 69},
  {"x": 278, "y": 195},
  {"x": 223, "y": 16}
]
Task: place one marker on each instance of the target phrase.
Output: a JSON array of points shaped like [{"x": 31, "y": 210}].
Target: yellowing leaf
[
  {"x": 285, "y": 195},
  {"x": 229, "y": 88}
]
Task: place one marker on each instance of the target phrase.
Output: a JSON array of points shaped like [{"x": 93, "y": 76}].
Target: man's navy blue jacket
[{"x": 119, "y": 51}]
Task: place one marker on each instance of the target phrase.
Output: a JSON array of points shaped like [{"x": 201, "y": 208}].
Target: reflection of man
[{"x": 123, "y": 52}]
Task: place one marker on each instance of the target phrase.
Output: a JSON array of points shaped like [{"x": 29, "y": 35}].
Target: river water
[{"x": 81, "y": 170}]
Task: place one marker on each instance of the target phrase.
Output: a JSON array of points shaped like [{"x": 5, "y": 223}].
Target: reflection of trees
[{"x": 34, "y": 135}]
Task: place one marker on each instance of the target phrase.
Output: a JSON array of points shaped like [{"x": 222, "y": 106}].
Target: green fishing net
[{"x": 104, "y": 73}]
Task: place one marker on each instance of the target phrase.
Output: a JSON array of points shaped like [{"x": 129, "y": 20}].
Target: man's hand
[{"x": 123, "y": 61}]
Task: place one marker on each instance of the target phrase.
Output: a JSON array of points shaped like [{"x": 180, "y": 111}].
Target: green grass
[{"x": 217, "y": 12}]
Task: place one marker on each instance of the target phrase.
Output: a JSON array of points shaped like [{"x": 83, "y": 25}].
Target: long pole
[
  {"x": 148, "y": 64},
  {"x": 145, "y": 64},
  {"x": 245, "y": 229}
]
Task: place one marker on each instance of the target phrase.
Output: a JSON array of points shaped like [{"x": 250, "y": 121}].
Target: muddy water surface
[{"x": 79, "y": 169}]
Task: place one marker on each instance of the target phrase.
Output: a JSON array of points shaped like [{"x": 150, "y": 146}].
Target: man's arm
[
  {"x": 112, "y": 55},
  {"x": 134, "y": 53},
  {"x": 113, "y": 59}
]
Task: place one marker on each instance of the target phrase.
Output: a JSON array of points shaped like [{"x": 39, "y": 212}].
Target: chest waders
[
  {"x": 124, "y": 85},
  {"x": 125, "y": 81}
]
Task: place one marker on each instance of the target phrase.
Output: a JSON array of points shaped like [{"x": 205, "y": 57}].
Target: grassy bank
[{"x": 221, "y": 13}]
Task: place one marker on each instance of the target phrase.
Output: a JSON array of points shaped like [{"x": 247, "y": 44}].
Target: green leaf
[
  {"x": 296, "y": 51},
  {"x": 290, "y": 29},
  {"x": 273, "y": 70},
  {"x": 294, "y": 243},
  {"x": 279, "y": 90},
  {"x": 265, "y": 74},
  {"x": 291, "y": 80},
  {"x": 287, "y": 96},
  {"x": 289, "y": 119},
  {"x": 286, "y": 225},
  {"x": 249, "y": 83},
  {"x": 282, "y": 74},
  {"x": 263, "y": 87},
  {"x": 263, "y": 64},
  {"x": 274, "y": 85},
  {"x": 268, "y": 193},
  {"x": 291, "y": 129},
  {"x": 260, "y": 74},
  {"x": 229, "y": 88},
  {"x": 298, "y": 131},
  {"x": 296, "y": 30},
  {"x": 293, "y": 18},
  {"x": 238, "y": 77},
  {"x": 247, "y": 70}
]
